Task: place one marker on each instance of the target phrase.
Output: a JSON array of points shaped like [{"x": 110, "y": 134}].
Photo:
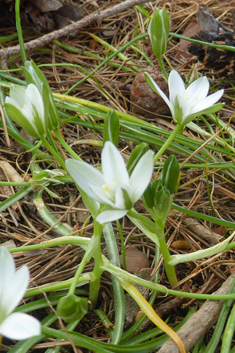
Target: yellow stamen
[{"x": 106, "y": 188}]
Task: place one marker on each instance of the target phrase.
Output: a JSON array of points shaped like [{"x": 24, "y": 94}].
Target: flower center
[
  {"x": 23, "y": 108},
  {"x": 189, "y": 96},
  {"x": 106, "y": 189},
  {"x": 110, "y": 190}
]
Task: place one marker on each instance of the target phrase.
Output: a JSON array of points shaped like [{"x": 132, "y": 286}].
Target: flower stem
[
  {"x": 162, "y": 67},
  {"x": 97, "y": 271},
  {"x": 170, "y": 270},
  {"x": 177, "y": 130},
  {"x": 122, "y": 244},
  {"x": 66, "y": 146},
  {"x": 53, "y": 152},
  {"x": 19, "y": 31}
]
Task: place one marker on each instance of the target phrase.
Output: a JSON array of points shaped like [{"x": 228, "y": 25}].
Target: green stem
[
  {"x": 122, "y": 244},
  {"x": 47, "y": 288},
  {"x": 13, "y": 183},
  {"x": 121, "y": 274},
  {"x": 66, "y": 146},
  {"x": 118, "y": 292},
  {"x": 53, "y": 152},
  {"x": 177, "y": 130},
  {"x": 97, "y": 271},
  {"x": 162, "y": 67},
  {"x": 19, "y": 30},
  {"x": 93, "y": 246},
  {"x": 170, "y": 270}
]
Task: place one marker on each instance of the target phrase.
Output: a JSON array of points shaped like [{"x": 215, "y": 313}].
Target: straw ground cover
[{"x": 80, "y": 67}]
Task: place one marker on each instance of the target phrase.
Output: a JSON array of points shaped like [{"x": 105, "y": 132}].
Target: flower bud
[
  {"x": 158, "y": 31},
  {"x": 34, "y": 75},
  {"x": 163, "y": 203},
  {"x": 135, "y": 156},
  {"x": 71, "y": 307},
  {"x": 25, "y": 106},
  {"x": 170, "y": 174},
  {"x": 111, "y": 128},
  {"x": 148, "y": 197}
]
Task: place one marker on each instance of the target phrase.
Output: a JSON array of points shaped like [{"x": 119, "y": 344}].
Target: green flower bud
[
  {"x": 71, "y": 307},
  {"x": 156, "y": 186},
  {"x": 111, "y": 128},
  {"x": 34, "y": 75},
  {"x": 148, "y": 197},
  {"x": 170, "y": 174},
  {"x": 163, "y": 203},
  {"x": 135, "y": 156},
  {"x": 158, "y": 31}
]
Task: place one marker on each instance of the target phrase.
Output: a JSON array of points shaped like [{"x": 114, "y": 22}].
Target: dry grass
[{"x": 24, "y": 226}]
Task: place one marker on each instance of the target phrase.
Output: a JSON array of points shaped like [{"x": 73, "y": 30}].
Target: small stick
[
  {"x": 44, "y": 40},
  {"x": 197, "y": 326}
]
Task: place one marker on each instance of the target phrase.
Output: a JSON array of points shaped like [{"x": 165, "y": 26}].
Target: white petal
[
  {"x": 7, "y": 272},
  {"x": 199, "y": 88},
  {"x": 176, "y": 85},
  {"x": 208, "y": 101},
  {"x": 16, "y": 290},
  {"x": 84, "y": 175},
  {"x": 13, "y": 102},
  {"x": 141, "y": 175},
  {"x": 110, "y": 215},
  {"x": 157, "y": 89},
  {"x": 29, "y": 114},
  {"x": 20, "y": 326},
  {"x": 33, "y": 96},
  {"x": 17, "y": 93},
  {"x": 113, "y": 166}
]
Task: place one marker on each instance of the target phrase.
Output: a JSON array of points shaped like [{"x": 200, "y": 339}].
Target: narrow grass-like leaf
[{"x": 119, "y": 298}]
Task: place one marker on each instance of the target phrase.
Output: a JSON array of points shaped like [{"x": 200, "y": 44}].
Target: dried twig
[
  {"x": 200, "y": 322},
  {"x": 44, "y": 40}
]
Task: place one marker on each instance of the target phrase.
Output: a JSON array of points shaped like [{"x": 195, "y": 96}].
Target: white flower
[
  {"x": 13, "y": 285},
  {"x": 187, "y": 103},
  {"x": 25, "y": 106},
  {"x": 114, "y": 187}
]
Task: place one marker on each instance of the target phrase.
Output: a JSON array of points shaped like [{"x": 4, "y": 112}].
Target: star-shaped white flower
[
  {"x": 13, "y": 285},
  {"x": 114, "y": 187},
  {"x": 187, "y": 103},
  {"x": 25, "y": 106}
]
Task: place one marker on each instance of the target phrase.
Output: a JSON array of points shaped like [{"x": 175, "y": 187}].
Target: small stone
[{"x": 135, "y": 260}]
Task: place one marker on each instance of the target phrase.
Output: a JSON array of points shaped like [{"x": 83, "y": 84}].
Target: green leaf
[
  {"x": 200, "y": 254},
  {"x": 111, "y": 128}
]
